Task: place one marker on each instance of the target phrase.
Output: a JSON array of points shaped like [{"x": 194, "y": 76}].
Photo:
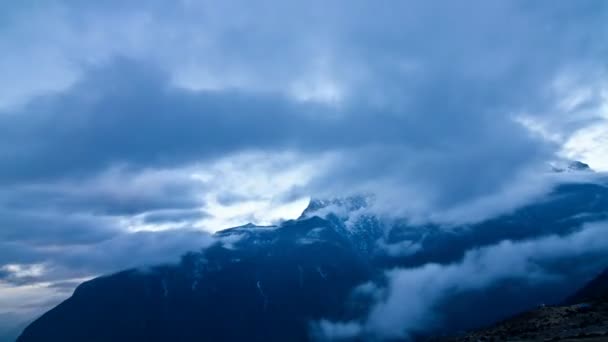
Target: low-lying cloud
[{"x": 409, "y": 302}]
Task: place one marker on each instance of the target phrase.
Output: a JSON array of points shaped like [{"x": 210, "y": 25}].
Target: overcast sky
[{"x": 149, "y": 124}]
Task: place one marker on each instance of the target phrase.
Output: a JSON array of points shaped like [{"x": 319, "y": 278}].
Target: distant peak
[
  {"x": 336, "y": 205},
  {"x": 571, "y": 166},
  {"x": 579, "y": 166}
]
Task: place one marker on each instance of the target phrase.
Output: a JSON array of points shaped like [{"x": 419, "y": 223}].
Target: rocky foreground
[
  {"x": 580, "y": 322},
  {"x": 583, "y": 318}
]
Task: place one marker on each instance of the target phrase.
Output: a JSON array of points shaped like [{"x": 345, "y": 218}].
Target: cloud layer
[{"x": 410, "y": 302}]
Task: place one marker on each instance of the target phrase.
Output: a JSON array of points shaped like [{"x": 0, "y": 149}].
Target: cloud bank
[{"x": 410, "y": 301}]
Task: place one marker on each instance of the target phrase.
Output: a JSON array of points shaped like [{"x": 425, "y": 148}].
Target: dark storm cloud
[
  {"x": 113, "y": 194},
  {"x": 174, "y": 216},
  {"x": 37, "y": 227},
  {"x": 126, "y": 114},
  {"x": 433, "y": 103}
]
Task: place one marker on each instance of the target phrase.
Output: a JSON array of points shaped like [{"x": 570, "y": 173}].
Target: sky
[{"x": 154, "y": 124}]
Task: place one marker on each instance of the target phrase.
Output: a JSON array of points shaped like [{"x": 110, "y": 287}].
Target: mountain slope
[
  {"x": 270, "y": 290},
  {"x": 586, "y": 320},
  {"x": 596, "y": 290}
]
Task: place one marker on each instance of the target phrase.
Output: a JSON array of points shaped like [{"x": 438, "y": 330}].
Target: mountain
[
  {"x": 584, "y": 317},
  {"x": 595, "y": 290},
  {"x": 571, "y": 166},
  {"x": 270, "y": 283}
]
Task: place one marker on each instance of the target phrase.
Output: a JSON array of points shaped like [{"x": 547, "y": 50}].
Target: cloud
[
  {"x": 174, "y": 216},
  {"x": 53, "y": 228},
  {"x": 22, "y": 303},
  {"x": 590, "y": 144},
  {"x": 414, "y": 99},
  {"x": 113, "y": 192},
  {"x": 124, "y": 250},
  {"x": 330, "y": 331},
  {"x": 409, "y": 302},
  {"x": 366, "y": 150}
]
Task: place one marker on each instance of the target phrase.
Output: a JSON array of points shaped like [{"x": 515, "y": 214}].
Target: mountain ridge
[
  {"x": 582, "y": 317},
  {"x": 273, "y": 282}
]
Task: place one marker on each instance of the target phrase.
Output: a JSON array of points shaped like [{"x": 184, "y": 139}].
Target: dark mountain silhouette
[
  {"x": 267, "y": 286},
  {"x": 584, "y": 317},
  {"x": 595, "y": 290}
]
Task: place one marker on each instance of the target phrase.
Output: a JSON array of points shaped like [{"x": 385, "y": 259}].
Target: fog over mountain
[{"x": 451, "y": 150}]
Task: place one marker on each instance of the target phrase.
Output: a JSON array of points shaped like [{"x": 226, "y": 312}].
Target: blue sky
[{"x": 149, "y": 124}]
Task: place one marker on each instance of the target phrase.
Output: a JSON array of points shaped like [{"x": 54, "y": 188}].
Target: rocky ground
[{"x": 578, "y": 322}]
